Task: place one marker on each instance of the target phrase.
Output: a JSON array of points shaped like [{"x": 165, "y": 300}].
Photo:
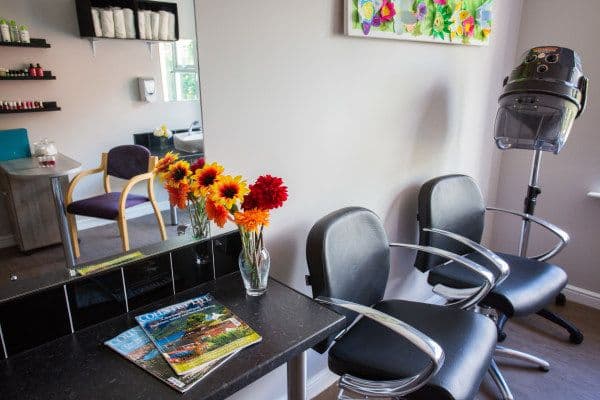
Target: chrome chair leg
[
  {"x": 498, "y": 379},
  {"x": 519, "y": 355}
]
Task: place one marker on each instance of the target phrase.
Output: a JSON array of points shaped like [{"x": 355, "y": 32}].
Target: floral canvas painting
[{"x": 466, "y": 22}]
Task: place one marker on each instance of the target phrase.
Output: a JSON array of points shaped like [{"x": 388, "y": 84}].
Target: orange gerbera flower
[
  {"x": 163, "y": 164},
  {"x": 178, "y": 195},
  {"x": 228, "y": 190},
  {"x": 204, "y": 178},
  {"x": 178, "y": 174},
  {"x": 217, "y": 213},
  {"x": 252, "y": 220}
]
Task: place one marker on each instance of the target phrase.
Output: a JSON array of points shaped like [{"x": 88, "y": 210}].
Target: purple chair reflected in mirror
[{"x": 130, "y": 162}]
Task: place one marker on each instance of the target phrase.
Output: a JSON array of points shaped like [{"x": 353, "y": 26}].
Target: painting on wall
[{"x": 467, "y": 22}]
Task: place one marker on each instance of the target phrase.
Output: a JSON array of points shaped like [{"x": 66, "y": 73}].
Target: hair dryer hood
[{"x": 540, "y": 100}]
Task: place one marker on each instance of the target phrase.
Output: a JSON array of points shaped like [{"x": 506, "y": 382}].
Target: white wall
[
  {"x": 567, "y": 177},
  {"x": 98, "y": 95},
  {"x": 345, "y": 121}
]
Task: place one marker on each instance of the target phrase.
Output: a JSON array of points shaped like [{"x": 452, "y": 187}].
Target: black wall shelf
[
  {"x": 47, "y": 77},
  {"x": 36, "y": 43},
  {"x": 48, "y": 106},
  {"x": 86, "y": 24}
]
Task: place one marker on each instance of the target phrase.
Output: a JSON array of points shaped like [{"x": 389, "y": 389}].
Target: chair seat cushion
[
  {"x": 371, "y": 351},
  {"x": 105, "y": 206},
  {"x": 530, "y": 286}
]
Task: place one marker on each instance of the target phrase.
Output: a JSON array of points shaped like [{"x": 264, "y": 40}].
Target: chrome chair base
[
  {"x": 543, "y": 365},
  {"x": 499, "y": 380},
  {"x": 497, "y": 376}
]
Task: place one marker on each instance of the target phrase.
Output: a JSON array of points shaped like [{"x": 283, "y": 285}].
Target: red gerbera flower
[
  {"x": 199, "y": 164},
  {"x": 267, "y": 193}
]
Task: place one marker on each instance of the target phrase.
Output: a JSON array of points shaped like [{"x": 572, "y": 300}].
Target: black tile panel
[
  {"x": 148, "y": 281},
  {"x": 192, "y": 266},
  {"x": 34, "y": 320},
  {"x": 227, "y": 250}
]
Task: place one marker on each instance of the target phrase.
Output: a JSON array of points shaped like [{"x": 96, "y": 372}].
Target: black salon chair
[
  {"x": 455, "y": 203},
  {"x": 400, "y": 348}
]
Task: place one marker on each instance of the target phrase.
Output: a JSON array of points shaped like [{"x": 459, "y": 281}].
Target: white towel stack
[
  {"x": 155, "y": 25},
  {"x": 107, "y": 22},
  {"x": 163, "y": 32},
  {"x": 148, "y": 17},
  {"x": 172, "y": 26},
  {"x": 96, "y": 22},
  {"x": 119, "y": 19},
  {"x": 142, "y": 23},
  {"x": 113, "y": 22},
  {"x": 129, "y": 23}
]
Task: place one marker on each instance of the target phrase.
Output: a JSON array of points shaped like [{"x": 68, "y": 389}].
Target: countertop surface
[
  {"x": 80, "y": 366},
  {"x": 24, "y": 168}
]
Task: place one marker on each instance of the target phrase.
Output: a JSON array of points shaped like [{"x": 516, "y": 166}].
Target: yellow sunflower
[
  {"x": 228, "y": 190},
  {"x": 178, "y": 174},
  {"x": 162, "y": 166},
  {"x": 252, "y": 220},
  {"x": 204, "y": 178}
]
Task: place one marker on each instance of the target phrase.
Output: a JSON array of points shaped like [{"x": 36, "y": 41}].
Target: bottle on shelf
[
  {"x": 39, "y": 71},
  {"x": 24, "y": 34},
  {"x": 4, "y": 31},
  {"x": 14, "y": 32},
  {"x": 32, "y": 71}
]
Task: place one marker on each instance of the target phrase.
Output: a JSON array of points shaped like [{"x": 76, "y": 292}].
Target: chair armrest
[
  {"x": 561, "y": 234},
  {"x": 130, "y": 184},
  {"x": 477, "y": 294},
  {"x": 78, "y": 178},
  {"x": 423, "y": 342}
]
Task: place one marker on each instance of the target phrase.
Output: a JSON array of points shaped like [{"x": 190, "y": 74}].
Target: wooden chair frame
[{"x": 121, "y": 220}]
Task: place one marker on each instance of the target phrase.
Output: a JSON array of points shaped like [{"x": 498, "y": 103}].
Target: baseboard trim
[
  {"x": 7, "y": 241},
  {"x": 583, "y": 296},
  {"x": 84, "y": 223}
]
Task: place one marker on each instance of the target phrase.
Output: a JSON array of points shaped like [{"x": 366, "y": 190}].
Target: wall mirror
[{"x": 98, "y": 93}]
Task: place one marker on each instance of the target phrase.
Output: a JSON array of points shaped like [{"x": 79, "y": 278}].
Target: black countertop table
[{"x": 79, "y": 366}]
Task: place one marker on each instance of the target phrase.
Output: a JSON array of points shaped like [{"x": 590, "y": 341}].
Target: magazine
[
  {"x": 193, "y": 333},
  {"x": 135, "y": 345}
]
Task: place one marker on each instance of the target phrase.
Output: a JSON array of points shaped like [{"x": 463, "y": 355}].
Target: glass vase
[
  {"x": 254, "y": 263},
  {"x": 198, "y": 218}
]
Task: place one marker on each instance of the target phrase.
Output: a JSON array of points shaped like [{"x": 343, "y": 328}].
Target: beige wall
[
  {"x": 98, "y": 95},
  {"x": 345, "y": 121},
  {"x": 567, "y": 177}
]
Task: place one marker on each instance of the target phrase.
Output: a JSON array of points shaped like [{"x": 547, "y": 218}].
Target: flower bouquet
[
  {"x": 164, "y": 134},
  {"x": 185, "y": 190}
]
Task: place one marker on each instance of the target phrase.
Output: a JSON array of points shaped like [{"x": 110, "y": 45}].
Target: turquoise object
[{"x": 14, "y": 143}]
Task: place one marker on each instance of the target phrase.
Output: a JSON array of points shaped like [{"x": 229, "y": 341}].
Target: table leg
[
  {"x": 63, "y": 226},
  {"x": 296, "y": 377},
  {"x": 174, "y": 220}
]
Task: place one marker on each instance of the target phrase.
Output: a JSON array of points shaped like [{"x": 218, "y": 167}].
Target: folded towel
[
  {"x": 172, "y": 26},
  {"x": 148, "y": 15},
  {"x": 129, "y": 23},
  {"x": 142, "y": 23},
  {"x": 119, "y": 19},
  {"x": 155, "y": 25},
  {"x": 96, "y": 22},
  {"x": 107, "y": 22},
  {"x": 163, "y": 31}
]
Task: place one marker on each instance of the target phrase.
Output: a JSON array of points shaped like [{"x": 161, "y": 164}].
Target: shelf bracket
[
  {"x": 93, "y": 45},
  {"x": 150, "y": 53}
]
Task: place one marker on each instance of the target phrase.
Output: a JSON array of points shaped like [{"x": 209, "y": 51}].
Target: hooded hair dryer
[{"x": 540, "y": 100}]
